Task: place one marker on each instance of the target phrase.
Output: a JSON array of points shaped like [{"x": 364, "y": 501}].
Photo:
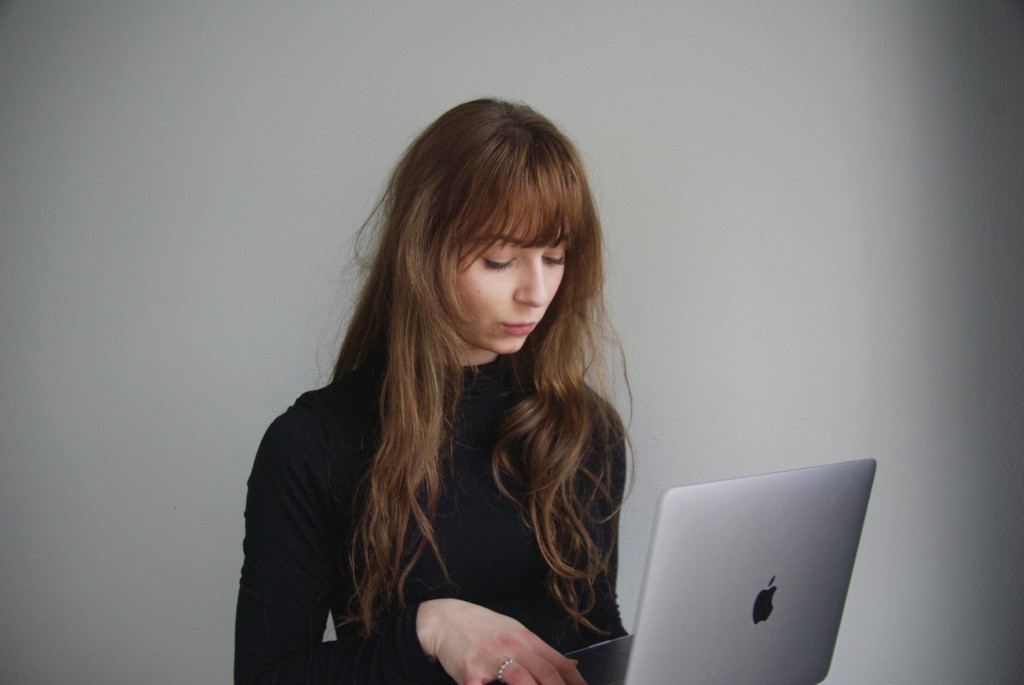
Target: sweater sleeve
[{"x": 293, "y": 572}]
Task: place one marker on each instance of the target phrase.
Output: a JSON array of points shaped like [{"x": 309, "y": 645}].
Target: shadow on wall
[{"x": 977, "y": 326}]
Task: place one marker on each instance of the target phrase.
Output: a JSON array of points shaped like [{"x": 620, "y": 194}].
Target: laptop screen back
[{"x": 747, "y": 578}]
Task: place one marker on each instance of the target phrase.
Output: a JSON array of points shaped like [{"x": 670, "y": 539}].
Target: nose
[{"x": 532, "y": 289}]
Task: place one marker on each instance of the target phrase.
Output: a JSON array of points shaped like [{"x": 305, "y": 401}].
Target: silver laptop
[{"x": 745, "y": 583}]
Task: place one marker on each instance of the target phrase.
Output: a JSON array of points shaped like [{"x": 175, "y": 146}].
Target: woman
[{"x": 451, "y": 498}]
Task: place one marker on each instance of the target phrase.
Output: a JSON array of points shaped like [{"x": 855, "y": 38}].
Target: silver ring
[{"x": 501, "y": 669}]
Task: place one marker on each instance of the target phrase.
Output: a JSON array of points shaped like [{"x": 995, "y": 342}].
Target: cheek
[
  {"x": 555, "y": 282},
  {"x": 473, "y": 294}
]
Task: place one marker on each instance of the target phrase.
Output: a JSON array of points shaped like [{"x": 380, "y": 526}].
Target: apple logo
[{"x": 763, "y": 604}]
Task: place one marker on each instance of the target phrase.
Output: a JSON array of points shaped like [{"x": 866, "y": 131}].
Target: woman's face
[{"x": 505, "y": 293}]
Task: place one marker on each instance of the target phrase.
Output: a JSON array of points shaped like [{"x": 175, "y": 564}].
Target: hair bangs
[{"x": 535, "y": 199}]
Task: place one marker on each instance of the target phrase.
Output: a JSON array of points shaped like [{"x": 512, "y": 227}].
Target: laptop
[{"x": 745, "y": 582}]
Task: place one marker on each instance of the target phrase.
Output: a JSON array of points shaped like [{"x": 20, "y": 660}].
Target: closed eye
[
  {"x": 555, "y": 261},
  {"x": 497, "y": 266}
]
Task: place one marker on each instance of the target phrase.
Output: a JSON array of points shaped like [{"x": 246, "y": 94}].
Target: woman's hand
[{"x": 472, "y": 643}]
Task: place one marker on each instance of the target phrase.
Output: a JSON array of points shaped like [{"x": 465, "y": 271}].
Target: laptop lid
[{"x": 746, "y": 579}]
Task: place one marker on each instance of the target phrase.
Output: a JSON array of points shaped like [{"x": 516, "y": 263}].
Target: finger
[
  {"x": 546, "y": 673},
  {"x": 573, "y": 676},
  {"x": 545, "y": 664},
  {"x": 565, "y": 666},
  {"x": 518, "y": 674},
  {"x": 548, "y": 653}
]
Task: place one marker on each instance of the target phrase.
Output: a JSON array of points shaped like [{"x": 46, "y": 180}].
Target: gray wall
[{"x": 813, "y": 214}]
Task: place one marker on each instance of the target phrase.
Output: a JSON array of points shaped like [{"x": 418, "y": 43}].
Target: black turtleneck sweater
[{"x": 299, "y": 520}]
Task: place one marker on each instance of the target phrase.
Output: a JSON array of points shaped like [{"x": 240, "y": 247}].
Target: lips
[{"x": 522, "y": 328}]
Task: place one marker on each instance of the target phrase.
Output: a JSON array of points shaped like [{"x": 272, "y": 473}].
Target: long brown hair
[{"x": 484, "y": 168}]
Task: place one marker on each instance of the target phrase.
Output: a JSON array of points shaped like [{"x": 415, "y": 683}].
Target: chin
[{"x": 511, "y": 349}]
